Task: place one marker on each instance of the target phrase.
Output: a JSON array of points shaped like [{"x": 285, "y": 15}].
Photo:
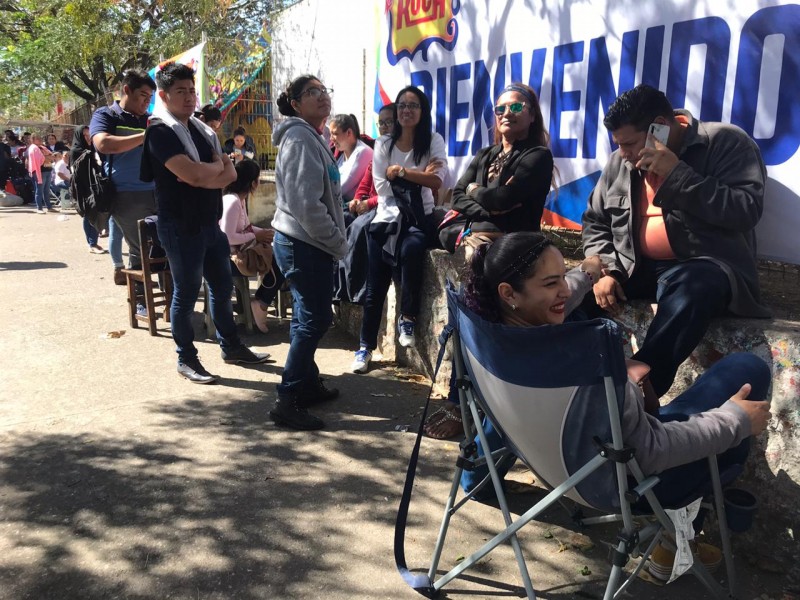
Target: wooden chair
[{"x": 156, "y": 293}]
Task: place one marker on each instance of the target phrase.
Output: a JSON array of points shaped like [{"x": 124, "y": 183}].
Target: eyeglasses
[
  {"x": 386, "y": 123},
  {"x": 514, "y": 107},
  {"x": 409, "y": 106},
  {"x": 316, "y": 92}
]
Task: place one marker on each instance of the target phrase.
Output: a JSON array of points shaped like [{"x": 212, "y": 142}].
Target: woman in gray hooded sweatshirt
[{"x": 309, "y": 237}]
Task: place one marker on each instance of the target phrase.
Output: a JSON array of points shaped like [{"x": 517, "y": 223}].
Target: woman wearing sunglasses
[
  {"x": 309, "y": 236},
  {"x": 505, "y": 187},
  {"x": 407, "y": 166},
  {"x": 503, "y": 190}
]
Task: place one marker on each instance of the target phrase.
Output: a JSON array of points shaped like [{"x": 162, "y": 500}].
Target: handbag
[
  {"x": 253, "y": 258},
  {"x": 408, "y": 197}
]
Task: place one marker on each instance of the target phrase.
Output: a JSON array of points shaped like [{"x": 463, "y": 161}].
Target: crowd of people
[{"x": 672, "y": 222}]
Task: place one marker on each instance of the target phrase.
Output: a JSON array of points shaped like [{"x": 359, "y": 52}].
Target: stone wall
[{"x": 774, "y": 466}]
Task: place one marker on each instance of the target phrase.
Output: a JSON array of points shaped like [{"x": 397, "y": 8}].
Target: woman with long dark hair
[
  {"x": 505, "y": 187},
  {"x": 235, "y": 223},
  {"x": 407, "y": 166},
  {"x": 309, "y": 236}
]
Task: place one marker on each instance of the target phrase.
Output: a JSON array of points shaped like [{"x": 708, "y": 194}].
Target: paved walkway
[{"x": 120, "y": 480}]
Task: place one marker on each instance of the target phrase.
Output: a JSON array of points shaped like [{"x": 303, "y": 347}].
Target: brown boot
[{"x": 119, "y": 276}]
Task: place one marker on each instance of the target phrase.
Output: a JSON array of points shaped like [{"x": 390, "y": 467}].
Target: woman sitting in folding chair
[{"x": 520, "y": 280}]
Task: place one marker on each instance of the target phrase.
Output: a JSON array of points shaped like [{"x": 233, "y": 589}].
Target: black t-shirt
[{"x": 189, "y": 207}]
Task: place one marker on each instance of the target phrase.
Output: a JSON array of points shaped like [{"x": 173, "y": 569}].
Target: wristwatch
[{"x": 402, "y": 172}]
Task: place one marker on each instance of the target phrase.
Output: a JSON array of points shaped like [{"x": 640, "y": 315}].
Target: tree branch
[{"x": 78, "y": 91}]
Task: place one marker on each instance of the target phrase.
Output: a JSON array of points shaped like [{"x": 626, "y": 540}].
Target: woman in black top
[{"x": 505, "y": 186}]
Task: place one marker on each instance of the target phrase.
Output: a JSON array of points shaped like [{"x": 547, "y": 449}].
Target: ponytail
[{"x": 479, "y": 295}]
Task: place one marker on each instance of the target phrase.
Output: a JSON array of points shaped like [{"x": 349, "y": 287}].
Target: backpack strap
[{"x": 420, "y": 583}]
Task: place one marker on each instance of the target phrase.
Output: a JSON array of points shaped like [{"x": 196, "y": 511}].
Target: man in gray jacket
[{"x": 676, "y": 223}]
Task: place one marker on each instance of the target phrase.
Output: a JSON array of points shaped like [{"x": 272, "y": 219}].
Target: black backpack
[{"x": 90, "y": 188}]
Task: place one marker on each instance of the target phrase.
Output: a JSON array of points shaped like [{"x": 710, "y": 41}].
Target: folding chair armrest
[{"x": 635, "y": 494}]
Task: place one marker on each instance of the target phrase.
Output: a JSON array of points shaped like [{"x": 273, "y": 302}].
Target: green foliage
[{"x": 84, "y": 46}]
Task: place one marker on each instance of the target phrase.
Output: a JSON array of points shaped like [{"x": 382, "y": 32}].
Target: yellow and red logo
[{"x": 414, "y": 25}]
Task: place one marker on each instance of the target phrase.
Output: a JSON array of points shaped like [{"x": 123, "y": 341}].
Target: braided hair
[{"x": 511, "y": 259}]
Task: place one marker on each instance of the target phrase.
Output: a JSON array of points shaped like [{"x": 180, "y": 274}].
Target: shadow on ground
[{"x": 31, "y": 266}]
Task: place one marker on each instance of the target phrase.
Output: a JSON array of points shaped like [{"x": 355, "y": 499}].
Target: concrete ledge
[{"x": 774, "y": 466}]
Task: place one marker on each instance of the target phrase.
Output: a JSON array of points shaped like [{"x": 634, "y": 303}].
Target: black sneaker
[
  {"x": 242, "y": 355},
  {"x": 289, "y": 413},
  {"x": 317, "y": 394},
  {"x": 192, "y": 370}
]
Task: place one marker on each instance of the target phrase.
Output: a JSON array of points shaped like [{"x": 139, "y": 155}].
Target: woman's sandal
[{"x": 444, "y": 424}]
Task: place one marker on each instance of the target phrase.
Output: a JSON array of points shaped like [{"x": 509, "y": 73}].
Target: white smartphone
[{"x": 658, "y": 131}]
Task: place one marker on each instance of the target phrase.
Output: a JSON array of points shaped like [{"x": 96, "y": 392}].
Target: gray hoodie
[{"x": 309, "y": 203}]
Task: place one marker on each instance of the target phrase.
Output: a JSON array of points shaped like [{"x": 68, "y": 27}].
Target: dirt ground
[{"x": 118, "y": 479}]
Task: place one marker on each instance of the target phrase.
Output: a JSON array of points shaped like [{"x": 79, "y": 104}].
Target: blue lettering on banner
[
  {"x": 600, "y": 89},
  {"x": 561, "y": 101},
  {"x": 537, "y": 70},
  {"x": 716, "y": 35},
  {"x": 481, "y": 101},
  {"x": 458, "y": 110},
  {"x": 600, "y": 85},
  {"x": 785, "y": 21},
  {"x": 653, "y": 51},
  {"x": 441, "y": 102}
]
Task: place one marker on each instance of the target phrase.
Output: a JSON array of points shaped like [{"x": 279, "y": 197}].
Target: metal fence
[{"x": 254, "y": 112}]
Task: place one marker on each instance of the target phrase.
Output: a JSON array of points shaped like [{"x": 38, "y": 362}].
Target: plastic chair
[
  {"x": 152, "y": 294},
  {"x": 556, "y": 401}
]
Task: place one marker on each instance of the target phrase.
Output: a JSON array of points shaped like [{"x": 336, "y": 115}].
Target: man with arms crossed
[
  {"x": 676, "y": 223},
  {"x": 184, "y": 158},
  {"x": 117, "y": 133}
]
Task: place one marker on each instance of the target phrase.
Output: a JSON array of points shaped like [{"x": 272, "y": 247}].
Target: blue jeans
[
  {"x": 711, "y": 390},
  {"x": 115, "y": 243},
  {"x": 407, "y": 272},
  {"x": 193, "y": 257},
  {"x": 42, "y": 190},
  {"x": 689, "y": 295},
  {"x": 58, "y": 187},
  {"x": 309, "y": 273},
  {"x": 90, "y": 232}
]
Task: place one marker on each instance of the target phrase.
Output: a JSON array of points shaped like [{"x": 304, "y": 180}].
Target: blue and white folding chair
[{"x": 555, "y": 395}]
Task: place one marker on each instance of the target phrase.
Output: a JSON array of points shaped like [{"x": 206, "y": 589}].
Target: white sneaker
[
  {"x": 406, "y": 329},
  {"x": 361, "y": 362}
]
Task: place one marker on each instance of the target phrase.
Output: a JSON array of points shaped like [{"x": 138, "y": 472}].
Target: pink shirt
[
  {"x": 35, "y": 162},
  {"x": 235, "y": 222}
]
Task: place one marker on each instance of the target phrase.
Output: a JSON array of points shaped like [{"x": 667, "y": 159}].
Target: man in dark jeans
[
  {"x": 675, "y": 222},
  {"x": 183, "y": 157},
  {"x": 117, "y": 134}
]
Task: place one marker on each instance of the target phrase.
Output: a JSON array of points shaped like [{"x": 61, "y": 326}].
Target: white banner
[{"x": 738, "y": 63}]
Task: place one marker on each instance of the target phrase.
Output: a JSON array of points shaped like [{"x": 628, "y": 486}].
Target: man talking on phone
[{"x": 674, "y": 222}]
